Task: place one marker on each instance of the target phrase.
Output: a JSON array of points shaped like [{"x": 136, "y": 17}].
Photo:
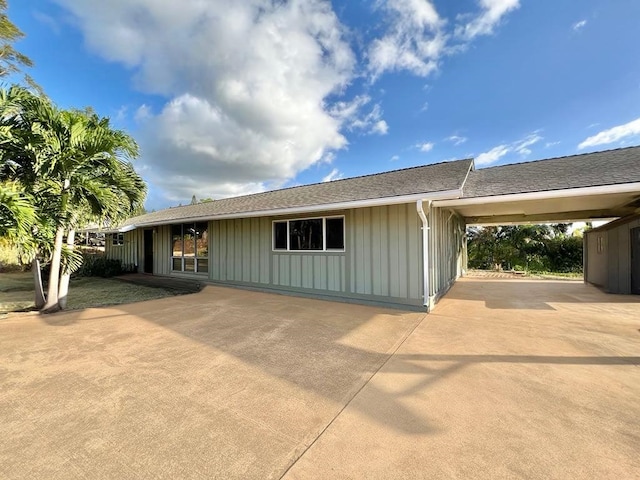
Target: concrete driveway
[{"x": 505, "y": 379}]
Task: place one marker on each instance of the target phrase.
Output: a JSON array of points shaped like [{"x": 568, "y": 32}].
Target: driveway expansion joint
[{"x": 344, "y": 407}]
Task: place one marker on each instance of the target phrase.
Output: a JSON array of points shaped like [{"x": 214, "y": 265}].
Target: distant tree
[
  {"x": 560, "y": 229},
  {"x": 195, "y": 201},
  {"x": 527, "y": 247}
]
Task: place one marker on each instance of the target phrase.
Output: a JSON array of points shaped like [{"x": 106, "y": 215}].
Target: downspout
[{"x": 425, "y": 251}]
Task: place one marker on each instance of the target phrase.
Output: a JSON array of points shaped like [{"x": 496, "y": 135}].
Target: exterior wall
[
  {"x": 162, "y": 250},
  {"x": 447, "y": 245},
  {"x": 596, "y": 263},
  {"x": 130, "y": 253},
  {"x": 384, "y": 246},
  {"x": 612, "y": 270},
  {"x": 381, "y": 261}
]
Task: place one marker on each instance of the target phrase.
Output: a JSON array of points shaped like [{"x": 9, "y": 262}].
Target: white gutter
[
  {"x": 373, "y": 202},
  {"x": 564, "y": 193},
  {"x": 425, "y": 251}
]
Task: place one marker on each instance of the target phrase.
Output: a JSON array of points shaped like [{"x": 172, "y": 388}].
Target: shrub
[
  {"x": 564, "y": 254},
  {"x": 100, "y": 266},
  {"x": 9, "y": 257}
]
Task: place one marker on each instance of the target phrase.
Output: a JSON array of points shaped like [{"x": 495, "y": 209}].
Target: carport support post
[{"x": 425, "y": 251}]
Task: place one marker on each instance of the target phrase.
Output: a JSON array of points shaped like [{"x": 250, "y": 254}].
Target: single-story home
[{"x": 395, "y": 237}]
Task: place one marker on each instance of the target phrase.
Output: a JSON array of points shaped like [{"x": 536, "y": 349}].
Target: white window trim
[
  {"x": 324, "y": 235},
  {"x": 183, "y": 257}
]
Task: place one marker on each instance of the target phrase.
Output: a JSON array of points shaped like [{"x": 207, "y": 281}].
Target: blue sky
[{"x": 228, "y": 97}]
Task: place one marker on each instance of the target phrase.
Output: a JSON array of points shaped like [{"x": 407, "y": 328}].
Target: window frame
[
  {"x": 195, "y": 257},
  {"x": 117, "y": 239},
  {"x": 324, "y": 235}
]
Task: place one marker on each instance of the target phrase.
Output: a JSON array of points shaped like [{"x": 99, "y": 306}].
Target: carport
[{"x": 594, "y": 186}]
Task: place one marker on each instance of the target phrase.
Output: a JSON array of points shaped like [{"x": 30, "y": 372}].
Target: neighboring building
[
  {"x": 612, "y": 256},
  {"x": 396, "y": 237}
]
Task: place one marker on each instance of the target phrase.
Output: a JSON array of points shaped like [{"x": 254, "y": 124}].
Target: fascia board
[{"x": 545, "y": 195}]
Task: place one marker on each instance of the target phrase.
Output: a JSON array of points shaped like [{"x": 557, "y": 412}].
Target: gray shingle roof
[
  {"x": 610, "y": 167},
  {"x": 433, "y": 178},
  {"x": 586, "y": 170}
]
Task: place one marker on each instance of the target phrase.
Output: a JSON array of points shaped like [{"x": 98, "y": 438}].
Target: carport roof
[
  {"x": 610, "y": 167},
  {"x": 579, "y": 187}
]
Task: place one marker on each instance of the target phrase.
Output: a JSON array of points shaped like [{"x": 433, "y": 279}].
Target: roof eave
[{"x": 544, "y": 195}]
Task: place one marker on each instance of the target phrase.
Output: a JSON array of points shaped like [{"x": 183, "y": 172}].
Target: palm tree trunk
[
  {"x": 37, "y": 281},
  {"x": 64, "y": 279},
  {"x": 52, "y": 304}
]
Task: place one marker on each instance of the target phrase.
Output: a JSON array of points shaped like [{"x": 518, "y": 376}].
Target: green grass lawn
[{"x": 16, "y": 292}]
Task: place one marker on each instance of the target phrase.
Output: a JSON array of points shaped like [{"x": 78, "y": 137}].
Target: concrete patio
[{"x": 505, "y": 379}]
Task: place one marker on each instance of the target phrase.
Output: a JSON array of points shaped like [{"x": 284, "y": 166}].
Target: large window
[
  {"x": 190, "y": 248},
  {"x": 315, "y": 234}
]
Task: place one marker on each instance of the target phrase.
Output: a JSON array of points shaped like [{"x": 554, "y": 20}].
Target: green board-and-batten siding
[
  {"x": 382, "y": 260},
  {"x": 447, "y": 244},
  {"x": 129, "y": 253}
]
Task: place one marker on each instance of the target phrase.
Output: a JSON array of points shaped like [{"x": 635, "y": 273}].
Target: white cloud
[
  {"x": 492, "y": 156},
  {"x": 244, "y": 111},
  {"x": 612, "y": 135},
  {"x": 413, "y": 41},
  {"x": 142, "y": 113},
  {"x": 456, "y": 139},
  {"x": 395, "y": 158},
  {"x": 579, "y": 25},
  {"x": 328, "y": 158},
  {"x": 351, "y": 115},
  {"x": 551, "y": 144},
  {"x": 380, "y": 127},
  {"x": 417, "y": 37},
  {"x": 492, "y": 13},
  {"x": 250, "y": 87},
  {"x": 333, "y": 175},
  {"x": 520, "y": 147},
  {"x": 425, "y": 147},
  {"x": 121, "y": 113}
]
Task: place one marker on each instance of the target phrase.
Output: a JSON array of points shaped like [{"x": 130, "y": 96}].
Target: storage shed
[{"x": 612, "y": 256}]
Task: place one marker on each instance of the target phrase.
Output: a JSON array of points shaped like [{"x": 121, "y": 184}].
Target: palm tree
[
  {"x": 77, "y": 168},
  {"x": 20, "y": 223}
]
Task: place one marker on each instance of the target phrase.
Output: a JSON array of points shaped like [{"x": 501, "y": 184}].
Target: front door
[
  {"x": 148, "y": 251},
  {"x": 635, "y": 260}
]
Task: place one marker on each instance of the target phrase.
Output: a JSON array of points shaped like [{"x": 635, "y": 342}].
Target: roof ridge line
[{"x": 559, "y": 158}]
